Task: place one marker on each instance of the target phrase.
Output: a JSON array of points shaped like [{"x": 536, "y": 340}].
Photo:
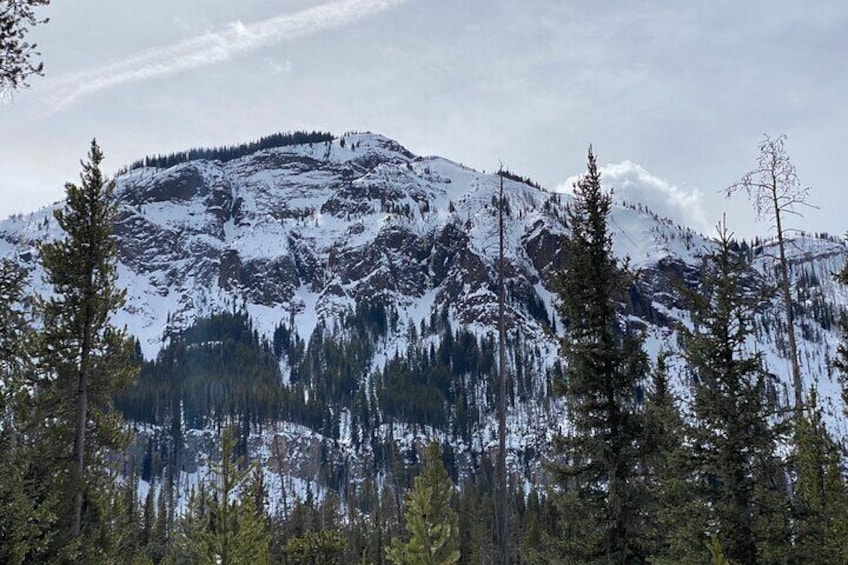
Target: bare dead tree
[{"x": 775, "y": 191}]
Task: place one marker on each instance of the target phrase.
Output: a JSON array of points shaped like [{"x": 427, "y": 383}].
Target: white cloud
[
  {"x": 633, "y": 184},
  {"x": 212, "y": 47}
]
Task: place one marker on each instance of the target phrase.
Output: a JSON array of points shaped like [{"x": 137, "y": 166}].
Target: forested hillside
[{"x": 289, "y": 354}]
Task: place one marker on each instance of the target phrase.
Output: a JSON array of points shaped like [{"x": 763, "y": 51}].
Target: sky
[{"x": 673, "y": 96}]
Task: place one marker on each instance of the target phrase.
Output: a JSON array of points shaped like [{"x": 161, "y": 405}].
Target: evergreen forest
[{"x": 96, "y": 439}]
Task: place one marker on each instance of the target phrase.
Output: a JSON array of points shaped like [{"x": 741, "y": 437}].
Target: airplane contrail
[{"x": 211, "y": 48}]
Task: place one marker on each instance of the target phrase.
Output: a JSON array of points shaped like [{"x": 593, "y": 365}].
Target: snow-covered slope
[
  {"x": 303, "y": 233},
  {"x": 307, "y": 230}
]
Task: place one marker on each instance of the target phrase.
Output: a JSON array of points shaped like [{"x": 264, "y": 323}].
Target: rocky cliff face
[
  {"x": 308, "y": 231},
  {"x": 304, "y": 233}
]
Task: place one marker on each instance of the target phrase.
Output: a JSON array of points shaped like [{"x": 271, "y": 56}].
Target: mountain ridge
[{"x": 302, "y": 235}]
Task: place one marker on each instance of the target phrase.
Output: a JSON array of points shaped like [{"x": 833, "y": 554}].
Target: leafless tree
[{"x": 775, "y": 191}]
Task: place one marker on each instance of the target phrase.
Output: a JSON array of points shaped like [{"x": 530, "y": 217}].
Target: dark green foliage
[
  {"x": 232, "y": 152},
  {"x": 841, "y": 361},
  {"x": 17, "y": 53},
  {"x": 431, "y": 523},
  {"x": 85, "y": 361},
  {"x": 28, "y": 522},
  {"x": 809, "y": 301},
  {"x": 215, "y": 370},
  {"x": 429, "y": 382},
  {"x": 507, "y": 174},
  {"x": 324, "y": 547},
  {"x": 331, "y": 368},
  {"x": 733, "y": 438},
  {"x": 16, "y": 336},
  {"x": 820, "y": 504},
  {"x": 477, "y": 522},
  {"x": 602, "y": 496},
  {"x": 286, "y": 343},
  {"x": 675, "y": 516},
  {"x": 536, "y": 308},
  {"x": 225, "y": 524}
]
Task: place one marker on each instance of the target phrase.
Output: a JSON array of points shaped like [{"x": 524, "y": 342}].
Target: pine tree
[
  {"x": 17, "y": 54},
  {"x": 430, "y": 521},
  {"x": 733, "y": 437},
  {"x": 600, "y": 487},
  {"x": 820, "y": 503},
  {"x": 158, "y": 542},
  {"x": 477, "y": 526},
  {"x": 226, "y": 527},
  {"x": 716, "y": 552},
  {"x": 675, "y": 516},
  {"x": 86, "y": 360},
  {"x": 148, "y": 518},
  {"x": 27, "y": 520},
  {"x": 16, "y": 335},
  {"x": 323, "y": 547}
]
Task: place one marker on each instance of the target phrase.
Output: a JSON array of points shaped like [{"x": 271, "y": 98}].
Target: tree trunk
[
  {"x": 787, "y": 305},
  {"x": 82, "y": 399},
  {"x": 79, "y": 453}
]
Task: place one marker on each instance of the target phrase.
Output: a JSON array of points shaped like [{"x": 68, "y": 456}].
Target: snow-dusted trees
[{"x": 842, "y": 353}]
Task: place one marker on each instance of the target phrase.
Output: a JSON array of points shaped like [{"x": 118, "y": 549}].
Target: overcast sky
[{"x": 675, "y": 96}]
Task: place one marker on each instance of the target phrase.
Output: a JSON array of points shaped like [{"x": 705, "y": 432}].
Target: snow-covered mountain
[{"x": 302, "y": 234}]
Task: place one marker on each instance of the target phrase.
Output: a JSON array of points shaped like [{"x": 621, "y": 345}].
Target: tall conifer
[
  {"x": 675, "y": 515},
  {"x": 734, "y": 434},
  {"x": 229, "y": 526},
  {"x": 601, "y": 487},
  {"x": 27, "y": 520},
  {"x": 819, "y": 506},
  {"x": 86, "y": 359},
  {"x": 431, "y": 522}
]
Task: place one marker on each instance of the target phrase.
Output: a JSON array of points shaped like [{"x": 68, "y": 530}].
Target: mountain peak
[{"x": 305, "y": 232}]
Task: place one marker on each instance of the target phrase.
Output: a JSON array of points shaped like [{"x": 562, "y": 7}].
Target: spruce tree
[
  {"x": 15, "y": 335},
  {"x": 602, "y": 494},
  {"x": 226, "y": 526},
  {"x": 431, "y": 522},
  {"x": 85, "y": 360},
  {"x": 734, "y": 434},
  {"x": 820, "y": 504},
  {"x": 322, "y": 547},
  {"x": 27, "y": 520},
  {"x": 675, "y": 516}
]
